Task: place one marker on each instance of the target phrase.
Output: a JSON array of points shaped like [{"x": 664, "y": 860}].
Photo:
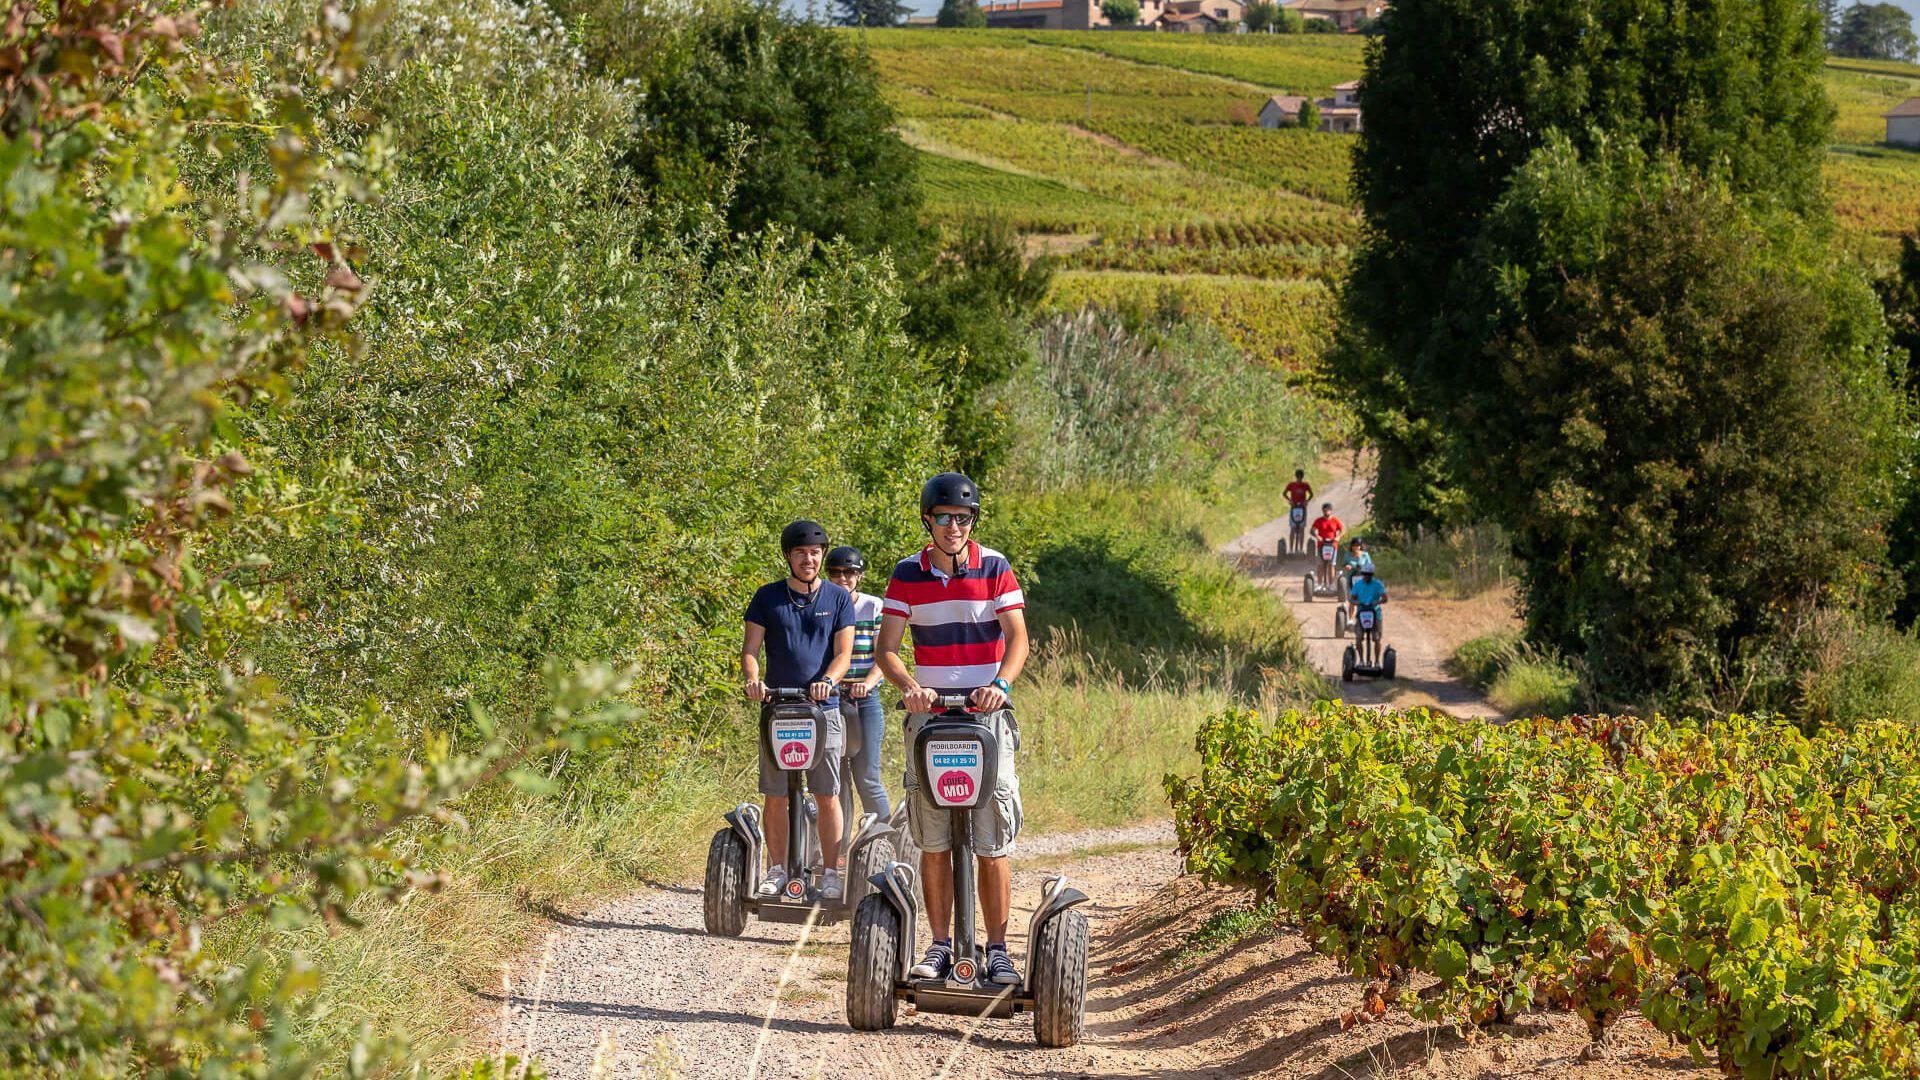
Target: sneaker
[
  {"x": 830, "y": 886},
  {"x": 775, "y": 880},
  {"x": 937, "y": 962},
  {"x": 1000, "y": 967}
]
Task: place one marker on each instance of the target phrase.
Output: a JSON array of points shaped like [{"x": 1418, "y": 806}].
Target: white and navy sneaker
[
  {"x": 830, "y": 885},
  {"x": 1000, "y": 967},
  {"x": 936, "y": 964},
  {"x": 775, "y": 880}
]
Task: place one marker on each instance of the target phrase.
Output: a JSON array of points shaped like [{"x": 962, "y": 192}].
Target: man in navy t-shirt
[{"x": 806, "y": 624}]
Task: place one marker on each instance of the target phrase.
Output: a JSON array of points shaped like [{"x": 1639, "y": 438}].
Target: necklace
[{"x": 806, "y": 599}]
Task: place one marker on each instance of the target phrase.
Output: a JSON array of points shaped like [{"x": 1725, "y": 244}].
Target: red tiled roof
[{"x": 1035, "y": 5}]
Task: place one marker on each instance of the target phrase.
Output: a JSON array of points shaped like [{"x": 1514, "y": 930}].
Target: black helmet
[
  {"x": 847, "y": 558},
  {"x": 949, "y": 489},
  {"x": 800, "y": 534},
  {"x": 1299, "y": 474},
  {"x": 1326, "y": 506}
]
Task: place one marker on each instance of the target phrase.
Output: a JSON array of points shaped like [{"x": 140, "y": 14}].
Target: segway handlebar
[{"x": 951, "y": 700}]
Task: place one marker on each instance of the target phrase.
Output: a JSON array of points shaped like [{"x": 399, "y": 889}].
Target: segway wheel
[
  {"x": 1346, "y": 665},
  {"x": 1280, "y": 549},
  {"x": 872, "y": 859},
  {"x": 1306, "y": 588},
  {"x": 1340, "y": 621},
  {"x": 872, "y": 963},
  {"x": 1386, "y": 663},
  {"x": 724, "y": 901},
  {"x": 1058, "y": 969}
]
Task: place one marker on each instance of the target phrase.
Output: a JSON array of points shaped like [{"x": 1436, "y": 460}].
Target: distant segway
[
  {"x": 1295, "y": 541},
  {"x": 956, "y": 756},
  {"x": 791, "y": 725},
  {"x": 1310, "y": 586},
  {"x": 1365, "y": 656}
]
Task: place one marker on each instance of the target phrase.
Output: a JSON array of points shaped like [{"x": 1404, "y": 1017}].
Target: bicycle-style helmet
[
  {"x": 847, "y": 558},
  {"x": 949, "y": 489},
  {"x": 800, "y": 534}
]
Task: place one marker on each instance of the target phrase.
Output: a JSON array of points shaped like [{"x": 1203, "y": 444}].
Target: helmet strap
[{"x": 959, "y": 564}]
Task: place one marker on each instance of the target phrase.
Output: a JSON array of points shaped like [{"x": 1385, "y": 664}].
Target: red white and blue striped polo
[{"x": 957, "y": 641}]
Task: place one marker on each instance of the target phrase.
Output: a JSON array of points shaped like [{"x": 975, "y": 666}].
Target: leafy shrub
[
  {"x": 158, "y": 781},
  {"x": 1481, "y": 660},
  {"x": 1533, "y": 684},
  {"x": 1750, "y": 889}
]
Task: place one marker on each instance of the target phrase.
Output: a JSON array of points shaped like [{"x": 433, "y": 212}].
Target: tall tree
[
  {"x": 1698, "y": 435},
  {"x": 1121, "y": 12},
  {"x": 1260, "y": 15},
  {"x": 869, "y": 12},
  {"x": 789, "y": 116},
  {"x": 961, "y": 13},
  {"x": 1733, "y": 88},
  {"x": 1876, "y": 32}
]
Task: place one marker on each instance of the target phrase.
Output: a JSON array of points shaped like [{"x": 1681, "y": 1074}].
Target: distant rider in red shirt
[
  {"x": 1299, "y": 493},
  {"x": 1327, "y": 530}
]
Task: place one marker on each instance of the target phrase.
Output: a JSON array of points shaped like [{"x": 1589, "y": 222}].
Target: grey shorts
[
  {"x": 824, "y": 777},
  {"x": 996, "y": 822}
]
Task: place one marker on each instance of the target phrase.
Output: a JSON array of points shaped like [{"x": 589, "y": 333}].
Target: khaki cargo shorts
[{"x": 995, "y": 823}]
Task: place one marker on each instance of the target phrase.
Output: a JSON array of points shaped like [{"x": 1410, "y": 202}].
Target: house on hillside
[
  {"x": 1903, "y": 124},
  {"x": 1190, "y": 16},
  {"x": 1281, "y": 110},
  {"x": 1339, "y": 114},
  {"x": 1345, "y": 14},
  {"x": 1198, "y": 22}
]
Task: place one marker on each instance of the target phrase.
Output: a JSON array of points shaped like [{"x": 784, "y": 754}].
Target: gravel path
[
  {"x": 636, "y": 988},
  {"x": 1420, "y": 678}
]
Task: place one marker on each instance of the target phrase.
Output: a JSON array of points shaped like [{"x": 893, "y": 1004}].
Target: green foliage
[
  {"x": 1226, "y": 928},
  {"x": 961, "y": 13},
  {"x": 1309, "y": 118},
  {"x": 1106, "y": 404},
  {"x": 158, "y": 781},
  {"x": 776, "y": 122},
  {"x": 1750, "y": 890},
  {"x": 1694, "y": 428},
  {"x": 1480, "y": 660},
  {"x": 1262, "y": 14},
  {"x": 1121, "y": 12},
  {"x": 975, "y": 300},
  {"x": 1742, "y": 104},
  {"x": 1876, "y": 32},
  {"x": 1899, "y": 292},
  {"x": 870, "y": 12}
]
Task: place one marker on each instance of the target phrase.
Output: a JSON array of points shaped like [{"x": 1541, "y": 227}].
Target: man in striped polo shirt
[{"x": 969, "y": 632}]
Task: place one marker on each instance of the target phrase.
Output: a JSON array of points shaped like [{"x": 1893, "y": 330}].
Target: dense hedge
[{"x": 1748, "y": 888}]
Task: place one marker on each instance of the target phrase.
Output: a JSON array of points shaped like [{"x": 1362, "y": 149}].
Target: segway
[
  {"x": 1310, "y": 588},
  {"x": 1295, "y": 542},
  {"x": 1364, "y": 656},
  {"x": 791, "y": 724},
  {"x": 956, "y": 756}
]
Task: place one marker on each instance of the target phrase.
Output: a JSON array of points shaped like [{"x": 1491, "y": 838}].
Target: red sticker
[
  {"x": 956, "y": 786},
  {"x": 794, "y": 755}
]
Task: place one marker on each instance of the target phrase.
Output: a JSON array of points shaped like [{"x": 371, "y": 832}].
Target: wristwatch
[{"x": 1004, "y": 688}]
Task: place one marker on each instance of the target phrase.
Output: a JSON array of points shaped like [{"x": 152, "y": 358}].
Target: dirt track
[
  {"x": 1421, "y": 678},
  {"x": 636, "y": 988}
]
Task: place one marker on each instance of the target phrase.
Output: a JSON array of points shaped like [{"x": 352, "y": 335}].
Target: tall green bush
[
  {"x": 1731, "y": 89},
  {"x": 157, "y": 780},
  {"x": 1699, "y": 431}
]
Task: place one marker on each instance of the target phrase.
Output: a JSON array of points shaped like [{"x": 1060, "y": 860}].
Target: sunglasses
[{"x": 962, "y": 520}]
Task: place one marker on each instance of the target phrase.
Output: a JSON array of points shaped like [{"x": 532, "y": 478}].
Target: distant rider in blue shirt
[{"x": 1368, "y": 593}]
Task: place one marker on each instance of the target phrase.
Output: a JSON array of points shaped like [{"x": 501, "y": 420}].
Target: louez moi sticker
[
  {"x": 954, "y": 768},
  {"x": 794, "y": 740}
]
